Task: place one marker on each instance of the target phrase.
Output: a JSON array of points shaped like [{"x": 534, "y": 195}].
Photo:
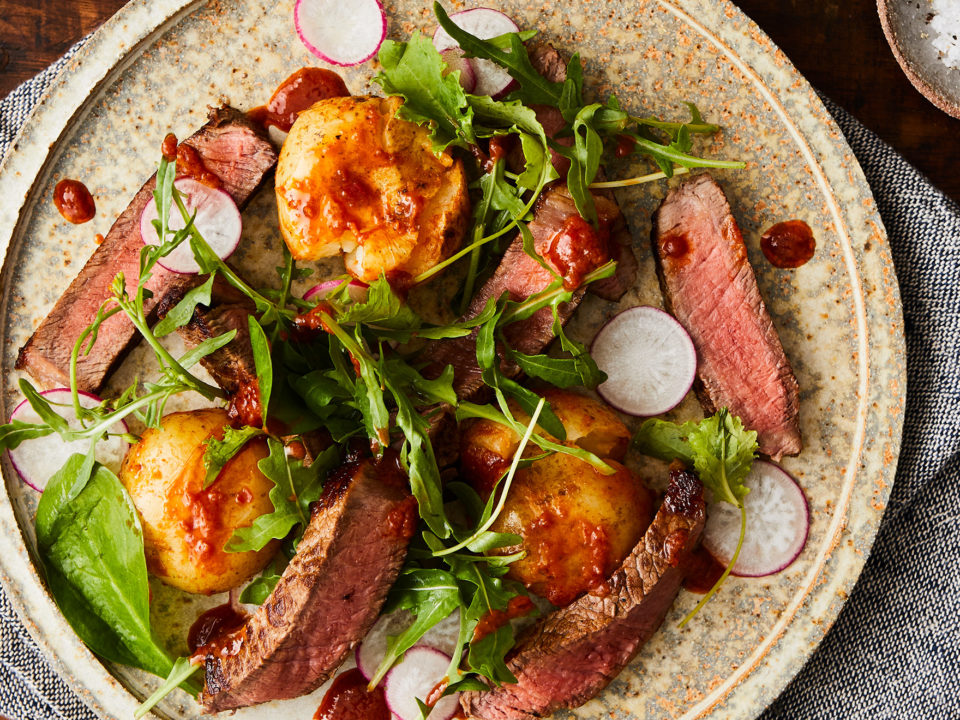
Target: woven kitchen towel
[{"x": 894, "y": 652}]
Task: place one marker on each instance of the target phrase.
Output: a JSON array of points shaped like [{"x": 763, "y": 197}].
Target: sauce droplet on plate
[
  {"x": 214, "y": 624},
  {"x": 703, "y": 573},
  {"x": 295, "y": 94},
  {"x": 349, "y": 699},
  {"x": 74, "y": 201},
  {"x": 788, "y": 244}
]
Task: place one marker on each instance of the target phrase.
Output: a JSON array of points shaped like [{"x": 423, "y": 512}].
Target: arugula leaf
[
  {"x": 219, "y": 452},
  {"x": 294, "y": 488},
  {"x": 263, "y": 363},
  {"x": 534, "y": 88},
  {"x": 415, "y": 70},
  {"x": 204, "y": 348},
  {"x": 584, "y": 161},
  {"x": 719, "y": 448},
  {"x": 182, "y": 312},
  {"x": 431, "y": 595},
  {"x": 91, "y": 546},
  {"x": 383, "y": 308}
]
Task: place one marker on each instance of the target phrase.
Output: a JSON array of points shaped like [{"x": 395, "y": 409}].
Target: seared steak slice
[
  {"x": 574, "y": 652},
  {"x": 234, "y": 150},
  {"x": 571, "y": 247},
  {"x": 329, "y": 596},
  {"x": 709, "y": 286}
]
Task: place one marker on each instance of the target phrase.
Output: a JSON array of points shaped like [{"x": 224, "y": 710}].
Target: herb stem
[
  {"x": 726, "y": 572},
  {"x": 508, "y": 480},
  {"x": 639, "y": 180}
]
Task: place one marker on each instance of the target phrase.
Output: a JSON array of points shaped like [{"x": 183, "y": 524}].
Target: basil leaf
[
  {"x": 91, "y": 547},
  {"x": 182, "y": 312}
]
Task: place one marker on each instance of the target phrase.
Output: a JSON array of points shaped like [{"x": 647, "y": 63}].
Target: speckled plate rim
[{"x": 119, "y": 40}]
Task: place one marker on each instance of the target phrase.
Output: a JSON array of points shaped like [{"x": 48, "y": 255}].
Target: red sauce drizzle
[
  {"x": 495, "y": 619},
  {"x": 297, "y": 93},
  {"x": 788, "y": 244},
  {"x": 349, "y": 699},
  {"x": 215, "y": 626},
  {"x": 190, "y": 164},
  {"x": 625, "y": 146},
  {"x": 74, "y": 201},
  {"x": 703, "y": 571},
  {"x": 168, "y": 148},
  {"x": 577, "y": 249},
  {"x": 674, "y": 247}
]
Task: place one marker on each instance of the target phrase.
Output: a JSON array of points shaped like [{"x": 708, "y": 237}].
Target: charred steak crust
[
  {"x": 239, "y": 154},
  {"x": 329, "y": 596},
  {"x": 574, "y": 652},
  {"x": 710, "y": 288}
]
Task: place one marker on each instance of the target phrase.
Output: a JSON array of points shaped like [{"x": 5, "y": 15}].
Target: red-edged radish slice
[
  {"x": 218, "y": 220},
  {"x": 778, "y": 520},
  {"x": 38, "y": 459},
  {"x": 484, "y": 23},
  {"x": 455, "y": 61},
  {"x": 356, "y": 289},
  {"x": 341, "y": 32},
  {"x": 443, "y": 637},
  {"x": 649, "y": 360},
  {"x": 417, "y": 676}
]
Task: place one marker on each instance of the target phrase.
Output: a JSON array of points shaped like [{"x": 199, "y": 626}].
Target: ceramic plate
[{"x": 155, "y": 67}]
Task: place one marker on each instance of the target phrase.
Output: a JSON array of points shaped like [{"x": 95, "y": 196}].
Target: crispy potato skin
[
  {"x": 185, "y": 527},
  {"x": 577, "y": 524},
  {"x": 354, "y": 177}
]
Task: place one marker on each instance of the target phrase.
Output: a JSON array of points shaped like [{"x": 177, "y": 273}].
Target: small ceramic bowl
[{"x": 906, "y": 23}]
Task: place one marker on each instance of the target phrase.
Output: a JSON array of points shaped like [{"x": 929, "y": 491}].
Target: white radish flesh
[
  {"x": 484, "y": 23},
  {"x": 38, "y": 459},
  {"x": 370, "y": 653},
  {"x": 417, "y": 676},
  {"x": 456, "y": 62},
  {"x": 778, "y": 521},
  {"x": 356, "y": 289},
  {"x": 341, "y": 32},
  {"x": 649, "y": 359},
  {"x": 217, "y": 219}
]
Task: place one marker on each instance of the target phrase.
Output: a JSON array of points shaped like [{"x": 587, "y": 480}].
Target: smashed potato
[
  {"x": 352, "y": 177},
  {"x": 577, "y": 524},
  {"x": 185, "y": 527}
]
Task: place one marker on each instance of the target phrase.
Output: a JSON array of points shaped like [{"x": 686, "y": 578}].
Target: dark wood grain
[{"x": 837, "y": 44}]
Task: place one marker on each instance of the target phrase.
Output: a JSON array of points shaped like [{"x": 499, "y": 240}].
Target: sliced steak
[
  {"x": 709, "y": 286},
  {"x": 329, "y": 596},
  {"x": 570, "y": 245},
  {"x": 574, "y": 652},
  {"x": 240, "y": 156}
]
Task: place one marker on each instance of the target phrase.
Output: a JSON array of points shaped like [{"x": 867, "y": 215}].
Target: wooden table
[{"x": 836, "y": 44}]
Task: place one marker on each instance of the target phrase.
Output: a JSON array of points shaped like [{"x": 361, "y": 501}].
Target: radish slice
[
  {"x": 218, "y": 220},
  {"x": 778, "y": 521},
  {"x": 341, "y": 32},
  {"x": 455, "y": 61},
  {"x": 649, "y": 360},
  {"x": 417, "y": 676},
  {"x": 484, "y": 23},
  {"x": 443, "y": 636},
  {"x": 38, "y": 459},
  {"x": 356, "y": 289}
]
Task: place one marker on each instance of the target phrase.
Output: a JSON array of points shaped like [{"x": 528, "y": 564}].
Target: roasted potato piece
[
  {"x": 185, "y": 527},
  {"x": 354, "y": 177},
  {"x": 577, "y": 524}
]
